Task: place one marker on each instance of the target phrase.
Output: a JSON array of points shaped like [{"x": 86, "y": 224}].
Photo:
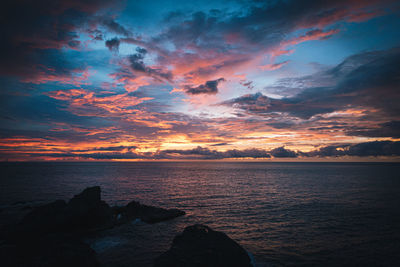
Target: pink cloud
[{"x": 274, "y": 66}]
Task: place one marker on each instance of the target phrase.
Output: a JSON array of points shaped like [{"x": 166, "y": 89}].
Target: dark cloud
[
  {"x": 210, "y": 87},
  {"x": 205, "y": 153},
  {"x": 98, "y": 156},
  {"x": 96, "y": 34},
  {"x": 220, "y": 144},
  {"x": 375, "y": 148},
  {"x": 387, "y": 129},
  {"x": 33, "y": 31},
  {"x": 257, "y": 27},
  {"x": 137, "y": 65},
  {"x": 248, "y": 84},
  {"x": 367, "y": 81},
  {"x": 367, "y": 149},
  {"x": 251, "y": 102},
  {"x": 113, "y": 44},
  {"x": 136, "y": 60},
  {"x": 247, "y": 153},
  {"x": 198, "y": 152},
  {"x": 109, "y": 148},
  {"x": 114, "y": 26},
  {"x": 262, "y": 23},
  {"x": 282, "y": 152}
]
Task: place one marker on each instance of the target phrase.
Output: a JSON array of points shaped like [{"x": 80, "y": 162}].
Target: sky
[{"x": 173, "y": 80}]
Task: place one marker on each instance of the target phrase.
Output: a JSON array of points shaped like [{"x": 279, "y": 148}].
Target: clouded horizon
[{"x": 130, "y": 80}]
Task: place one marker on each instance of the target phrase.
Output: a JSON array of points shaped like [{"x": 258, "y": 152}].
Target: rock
[
  {"x": 90, "y": 196},
  {"x": 45, "y": 218},
  {"x": 199, "y": 245},
  {"x": 50, "y": 250},
  {"x": 26, "y": 207},
  {"x": 86, "y": 211},
  {"x": 148, "y": 214},
  {"x": 50, "y": 235}
]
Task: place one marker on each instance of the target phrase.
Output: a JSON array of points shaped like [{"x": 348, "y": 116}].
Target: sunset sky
[{"x": 109, "y": 80}]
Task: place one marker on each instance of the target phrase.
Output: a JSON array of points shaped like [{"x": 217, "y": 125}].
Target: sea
[{"x": 282, "y": 213}]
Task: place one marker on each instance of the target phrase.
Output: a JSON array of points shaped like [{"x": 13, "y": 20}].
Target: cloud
[
  {"x": 274, "y": 66},
  {"x": 386, "y": 129},
  {"x": 36, "y": 32},
  {"x": 247, "y": 153},
  {"x": 52, "y": 45},
  {"x": 358, "y": 97},
  {"x": 253, "y": 103},
  {"x": 221, "y": 43},
  {"x": 93, "y": 156},
  {"x": 366, "y": 149},
  {"x": 137, "y": 65},
  {"x": 365, "y": 81},
  {"x": 375, "y": 148},
  {"x": 316, "y": 34},
  {"x": 220, "y": 144},
  {"x": 206, "y": 153},
  {"x": 113, "y": 44},
  {"x": 89, "y": 103},
  {"x": 114, "y": 26},
  {"x": 264, "y": 23},
  {"x": 210, "y": 87},
  {"x": 281, "y": 152}
]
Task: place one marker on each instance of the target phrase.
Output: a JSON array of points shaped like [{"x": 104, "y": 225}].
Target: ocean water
[{"x": 298, "y": 214}]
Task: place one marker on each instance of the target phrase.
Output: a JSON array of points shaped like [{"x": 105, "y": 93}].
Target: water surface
[{"x": 282, "y": 213}]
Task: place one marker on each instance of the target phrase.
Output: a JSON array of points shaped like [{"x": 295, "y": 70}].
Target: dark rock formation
[
  {"x": 26, "y": 207},
  {"x": 86, "y": 211},
  {"x": 46, "y": 218},
  {"x": 148, "y": 214},
  {"x": 83, "y": 213},
  {"x": 50, "y": 235},
  {"x": 199, "y": 245},
  {"x": 51, "y": 250}
]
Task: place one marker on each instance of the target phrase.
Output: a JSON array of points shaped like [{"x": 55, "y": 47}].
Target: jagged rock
[
  {"x": 199, "y": 245},
  {"x": 86, "y": 211},
  {"x": 49, "y": 235},
  {"x": 148, "y": 214}
]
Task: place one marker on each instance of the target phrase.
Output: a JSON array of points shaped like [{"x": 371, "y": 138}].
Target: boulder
[
  {"x": 86, "y": 211},
  {"x": 199, "y": 245},
  {"x": 50, "y": 235},
  {"x": 83, "y": 213},
  {"x": 148, "y": 214}
]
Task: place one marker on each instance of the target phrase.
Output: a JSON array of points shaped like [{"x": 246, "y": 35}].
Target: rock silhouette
[
  {"x": 86, "y": 212},
  {"x": 199, "y": 246},
  {"x": 62, "y": 250},
  {"x": 148, "y": 214},
  {"x": 50, "y": 235}
]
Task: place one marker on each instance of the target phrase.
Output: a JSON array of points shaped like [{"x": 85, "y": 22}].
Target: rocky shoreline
[{"x": 52, "y": 235}]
